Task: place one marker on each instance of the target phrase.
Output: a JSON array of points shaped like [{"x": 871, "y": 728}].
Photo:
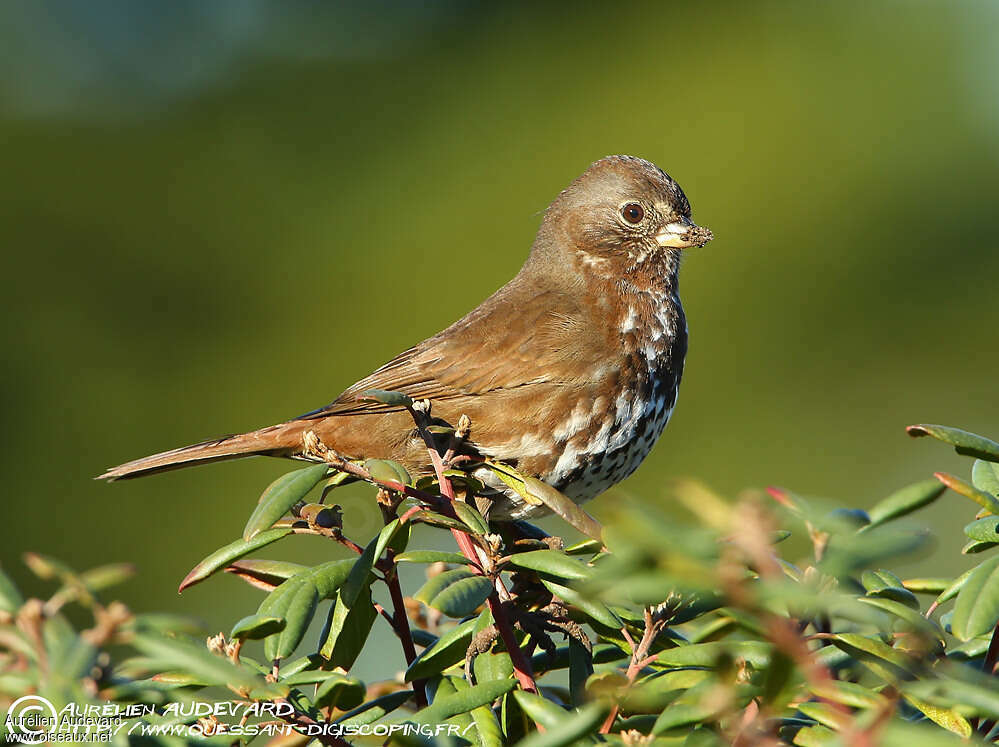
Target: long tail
[{"x": 276, "y": 440}]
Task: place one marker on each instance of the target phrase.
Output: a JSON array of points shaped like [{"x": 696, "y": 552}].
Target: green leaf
[
  {"x": 281, "y": 495},
  {"x": 958, "y": 686},
  {"x": 904, "y": 613},
  {"x": 338, "y": 691},
  {"x": 449, "y": 649},
  {"x": 329, "y": 577},
  {"x": 963, "y": 442},
  {"x": 360, "y": 576},
  {"x": 984, "y": 530},
  {"x": 590, "y": 607},
  {"x": 456, "y": 593},
  {"x": 463, "y": 701},
  {"x": 985, "y": 476},
  {"x": 682, "y": 714},
  {"x": 886, "y": 585},
  {"x": 977, "y": 609},
  {"x": 347, "y": 629},
  {"x": 948, "y": 718},
  {"x": 470, "y": 517},
  {"x": 439, "y": 520},
  {"x": 303, "y": 664},
  {"x": 374, "y": 709},
  {"x": 10, "y": 598},
  {"x": 587, "y": 547},
  {"x": 431, "y": 556},
  {"x": 394, "y": 399},
  {"x": 926, "y": 585},
  {"x": 973, "y": 547},
  {"x": 47, "y": 567},
  {"x": 847, "y": 693},
  {"x": 952, "y": 590},
  {"x": 552, "y": 563},
  {"x": 264, "y": 574},
  {"x": 104, "y": 576},
  {"x": 886, "y": 660},
  {"x": 542, "y": 711},
  {"x": 255, "y": 627},
  {"x": 490, "y": 666},
  {"x": 654, "y": 693},
  {"x": 308, "y": 676},
  {"x": 905, "y": 501},
  {"x": 536, "y": 493},
  {"x": 487, "y": 727},
  {"x": 825, "y": 714},
  {"x": 573, "y": 727},
  {"x": 989, "y": 502},
  {"x": 385, "y": 470},
  {"x": 225, "y": 555},
  {"x": 815, "y": 736},
  {"x": 708, "y": 654},
  {"x": 295, "y": 601}
]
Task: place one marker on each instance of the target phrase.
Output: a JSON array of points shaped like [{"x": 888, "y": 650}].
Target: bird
[{"x": 568, "y": 373}]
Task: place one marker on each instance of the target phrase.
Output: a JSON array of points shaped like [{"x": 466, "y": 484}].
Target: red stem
[
  {"x": 521, "y": 665},
  {"x": 400, "y": 622}
]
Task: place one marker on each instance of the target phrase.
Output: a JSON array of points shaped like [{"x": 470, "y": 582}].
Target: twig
[
  {"x": 639, "y": 659},
  {"x": 399, "y": 619},
  {"x": 521, "y": 664}
]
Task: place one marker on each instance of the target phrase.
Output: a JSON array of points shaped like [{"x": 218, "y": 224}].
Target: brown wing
[{"x": 514, "y": 339}]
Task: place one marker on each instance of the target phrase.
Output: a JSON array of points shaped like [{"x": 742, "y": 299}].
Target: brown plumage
[{"x": 569, "y": 371}]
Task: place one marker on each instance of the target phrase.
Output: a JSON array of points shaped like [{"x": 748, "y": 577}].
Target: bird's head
[{"x": 620, "y": 213}]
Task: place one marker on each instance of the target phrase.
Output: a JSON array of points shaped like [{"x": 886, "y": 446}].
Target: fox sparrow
[{"x": 569, "y": 372}]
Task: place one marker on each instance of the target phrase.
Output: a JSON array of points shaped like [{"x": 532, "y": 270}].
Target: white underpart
[
  {"x": 578, "y": 420},
  {"x": 529, "y": 445},
  {"x": 589, "y": 260},
  {"x": 630, "y": 321}
]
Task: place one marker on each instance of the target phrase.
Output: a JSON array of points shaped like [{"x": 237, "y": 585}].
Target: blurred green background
[{"x": 216, "y": 216}]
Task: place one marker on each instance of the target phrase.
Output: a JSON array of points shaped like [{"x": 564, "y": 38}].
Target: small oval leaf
[
  {"x": 340, "y": 692},
  {"x": 964, "y": 442},
  {"x": 905, "y": 501},
  {"x": 431, "y": 556},
  {"x": 470, "y": 517},
  {"x": 255, "y": 627},
  {"x": 281, "y": 495},
  {"x": 550, "y": 562},
  {"x": 977, "y": 609},
  {"x": 385, "y": 470},
  {"x": 985, "y": 476},
  {"x": 449, "y": 649},
  {"x": 984, "y": 530},
  {"x": 295, "y": 600},
  {"x": 225, "y": 555},
  {"x": 264, "y": 574},
  {"x": 456, "y": 593},
  {"x": 988, "y": 502}
]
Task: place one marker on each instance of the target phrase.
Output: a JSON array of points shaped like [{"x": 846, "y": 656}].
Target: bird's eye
[{"x": 633, "y": 212}]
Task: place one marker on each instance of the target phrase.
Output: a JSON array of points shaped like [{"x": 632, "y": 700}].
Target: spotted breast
[{"x": 605, "y": 438}]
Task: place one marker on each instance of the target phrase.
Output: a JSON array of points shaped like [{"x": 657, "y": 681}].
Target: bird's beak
[{"x": 683, "y": 234}]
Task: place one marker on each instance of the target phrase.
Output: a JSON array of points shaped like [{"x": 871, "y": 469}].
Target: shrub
[{"x": 645, "y": 632}]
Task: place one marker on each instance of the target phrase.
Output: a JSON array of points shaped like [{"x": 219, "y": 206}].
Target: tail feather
[{"x": 276, "y": 440}]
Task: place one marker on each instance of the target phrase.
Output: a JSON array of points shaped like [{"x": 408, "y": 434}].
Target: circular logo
[{"x": 31, "y": 717}]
